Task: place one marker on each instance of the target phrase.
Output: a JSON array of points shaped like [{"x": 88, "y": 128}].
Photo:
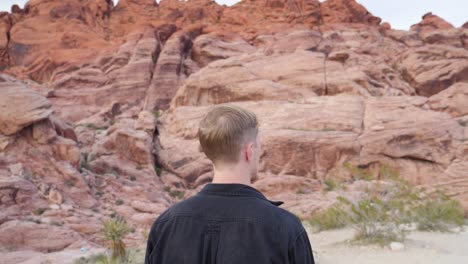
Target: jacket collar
[{"x": 234, "y": 189}]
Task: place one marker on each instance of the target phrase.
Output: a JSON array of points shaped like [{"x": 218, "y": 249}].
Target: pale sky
[{"x": 400, "y": 13}]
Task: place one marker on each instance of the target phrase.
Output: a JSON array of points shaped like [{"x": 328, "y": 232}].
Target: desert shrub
[
  {"x": 57, "y": 223},
  {"x": 375, "y": 221},
  {"x": 300, "y": 191},
  {"x": 177, "y": 194},
  {"x": 39, "y": 211},
  {"x": 382, "y": 213},
  {"x": 358, "y": 173},
  {"x": 439, "y": 213},
  {"x": 332, "y": 218},
  {"x": 158, "y": 171},
  {"x": 388, "y": 173},
  {"x": 157, "y": 114},
  {"x": 95, "y": 126},
  {"x": 70, "y": 183},
  {"x": 174, "y": 193},
  {"x": 113, "y": 231},
  {"x": 84, "y": 163},
  {"x": 330, "y": 185},
  {"x": 119, "y": 202}
]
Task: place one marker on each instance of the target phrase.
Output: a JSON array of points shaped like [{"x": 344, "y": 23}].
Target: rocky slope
[{"x": 99, "y": 106}]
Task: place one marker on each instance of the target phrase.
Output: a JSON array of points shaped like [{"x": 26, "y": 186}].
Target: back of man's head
[{"x": 224, "y": 131}]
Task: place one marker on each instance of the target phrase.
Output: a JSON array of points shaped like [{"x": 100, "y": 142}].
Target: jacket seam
[
  {"x": 295, "y": 239},
  {"x": 235, "y": 194}
]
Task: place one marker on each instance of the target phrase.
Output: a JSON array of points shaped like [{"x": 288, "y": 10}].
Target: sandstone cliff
[{"x": 99, "y": 105}]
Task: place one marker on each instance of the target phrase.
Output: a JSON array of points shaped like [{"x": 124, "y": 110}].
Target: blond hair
[{"x": 224, "y": 130}]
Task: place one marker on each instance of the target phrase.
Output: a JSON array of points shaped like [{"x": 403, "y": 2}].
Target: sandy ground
[
  {"x": 330, "y": 247},
  {"x": 31, "y": 257}
]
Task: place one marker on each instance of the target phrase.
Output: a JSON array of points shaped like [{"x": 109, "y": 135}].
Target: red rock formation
[
  {"x": 431, "y": 22},
  {"x": 345, "y": 11},
  {"x": 104, "y": 119}
]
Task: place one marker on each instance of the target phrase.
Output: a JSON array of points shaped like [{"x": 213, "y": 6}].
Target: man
[{"x": 229, "y": 221}]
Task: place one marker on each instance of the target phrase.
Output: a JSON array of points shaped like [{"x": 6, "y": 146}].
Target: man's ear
[{"x": 249, "y": 151}]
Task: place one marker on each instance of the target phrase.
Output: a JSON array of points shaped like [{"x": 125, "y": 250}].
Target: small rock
[
  {"x": 43, "y": 132},
  {"x": 43, "y": 188},
  {"x": 54, "y": 206},
  {"x": 145, "y": 207},
  {"x": 55, "y": 197},
  {"x": 16, "y": 169},
  {"x": 338, "y": 56},
  {"x": 4, "y": 142},
  {"x": 67, "y": 207},
  {"x": 397, "y": 246},
  {"x": 386, "y": 26},
  {"x": 146, "y": 121},
  {"x": 143, "y": 218},
  {"x": 377, "y": 128}
]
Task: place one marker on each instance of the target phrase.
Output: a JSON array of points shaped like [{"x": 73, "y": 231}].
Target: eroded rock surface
[{"x": 100, "y": 106}]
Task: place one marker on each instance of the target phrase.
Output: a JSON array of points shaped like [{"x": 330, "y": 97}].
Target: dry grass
[{"x": 382, "y": 213}]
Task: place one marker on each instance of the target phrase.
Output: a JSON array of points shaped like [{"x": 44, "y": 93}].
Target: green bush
[
  {"x": 376, "y": 222},
  {"x": 39, "y": 211},
  {"x": 330, "y": 185},
  {"x": 358, "y": 173},
  {"x": 439, "y": 213},
  {"x": 300, "y": 191},
  {"x": 95, "y": 126},
  {"x": 177, "y": 194},
  {"x": 381, "y": 214},
  {"x": 70, "y": 183},
  {"x": 174, "y": 193},
  {"x": 157, "y": 114},
  {"x": 388, "y": 173},
  {"x": 158, "y": 171},
  {"x": 332, "y": 218}
]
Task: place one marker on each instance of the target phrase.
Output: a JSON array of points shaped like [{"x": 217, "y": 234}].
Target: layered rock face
[{"x": 100, "y": 104}]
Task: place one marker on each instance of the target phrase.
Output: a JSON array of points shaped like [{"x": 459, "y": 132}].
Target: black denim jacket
[{"x": 227, "y": 224}]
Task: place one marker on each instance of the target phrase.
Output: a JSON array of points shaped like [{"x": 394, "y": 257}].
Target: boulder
[
  {"x": 20, "y": 107},
  {"x": 452, "y": 100},
  {"x": 20, "y": 235},
  {"x": 431, "y": 22},
  {"x": 433, "y": 68}
]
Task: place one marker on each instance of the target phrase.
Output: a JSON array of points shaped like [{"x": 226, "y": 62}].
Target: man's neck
[{"x": 231, "y": 174}]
